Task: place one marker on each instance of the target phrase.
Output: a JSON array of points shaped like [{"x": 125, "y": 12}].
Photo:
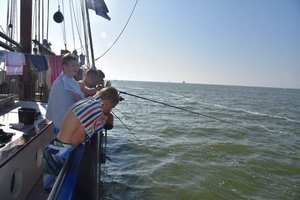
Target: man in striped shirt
[{"x": 86, "y": 117}]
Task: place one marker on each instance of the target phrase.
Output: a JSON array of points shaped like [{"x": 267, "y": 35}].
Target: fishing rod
[{"x": 184, "y": 109}]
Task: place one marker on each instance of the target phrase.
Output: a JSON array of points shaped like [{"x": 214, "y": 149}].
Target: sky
[{"x": 224, "y": 42}]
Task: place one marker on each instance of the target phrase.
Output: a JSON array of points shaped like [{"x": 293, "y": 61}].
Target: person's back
[
  {"x": 88, "y": 116},
  {"x": 84, "y": 119}
]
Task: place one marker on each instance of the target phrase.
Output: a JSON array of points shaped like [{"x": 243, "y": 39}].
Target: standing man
[{"x": 65, "y": 91}]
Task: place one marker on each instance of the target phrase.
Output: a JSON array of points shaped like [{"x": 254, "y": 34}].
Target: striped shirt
[{"x": 89, "y": 112}]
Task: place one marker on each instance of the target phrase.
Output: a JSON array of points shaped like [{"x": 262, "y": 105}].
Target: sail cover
[{"x": 99, "y": 7}]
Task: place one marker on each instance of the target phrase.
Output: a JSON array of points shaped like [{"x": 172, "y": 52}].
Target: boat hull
[
  {"x": 21, "y": 158},
  {"x": 20, "y": 174}
]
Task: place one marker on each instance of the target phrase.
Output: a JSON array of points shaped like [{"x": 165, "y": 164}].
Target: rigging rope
[
  {"x": 71, "y": 5},
  {"x": 190, "y": 111},
  {"x": 47, "y": 20},
  {"x": 7, "y": 17},
  {"x": 12, "y": 19},
  {"x": 35, "y": 20},
  {"x": 63, "y": 26},
  {"x": 39, "y": 19},
  {"x": 43, "y": 35},
  {"x": 77, "y": 27},
  {"x": 2, "y": 29},
  {"x": 109, "y": 48},
  {"x": 79, "y": 22}
]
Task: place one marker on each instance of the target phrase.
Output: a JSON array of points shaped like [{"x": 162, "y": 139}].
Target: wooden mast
[
  {"x": 26, "y": 82},
  {"x": 25, "y": 21}
]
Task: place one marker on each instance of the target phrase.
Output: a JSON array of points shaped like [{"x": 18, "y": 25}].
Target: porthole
[
  {"x": 39, "y": 157},
  {"x": 16, "y": 182}
]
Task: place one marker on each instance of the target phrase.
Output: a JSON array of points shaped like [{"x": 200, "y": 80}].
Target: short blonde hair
[
  {"x": 68, "y": 58},
  {"x": 109, "y": 93}
]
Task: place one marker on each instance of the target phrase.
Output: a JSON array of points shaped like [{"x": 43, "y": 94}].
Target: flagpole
[{"x": 90, "y": 36}]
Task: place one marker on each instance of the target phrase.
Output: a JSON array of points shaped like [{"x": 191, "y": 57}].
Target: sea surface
[{"x": 227, "y": 142}]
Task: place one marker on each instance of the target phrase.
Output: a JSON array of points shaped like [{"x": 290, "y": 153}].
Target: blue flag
[{"x": 99, "y": 7}]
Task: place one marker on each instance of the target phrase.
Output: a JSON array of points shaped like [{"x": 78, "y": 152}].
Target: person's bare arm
[{"x": 88, "y": 91}]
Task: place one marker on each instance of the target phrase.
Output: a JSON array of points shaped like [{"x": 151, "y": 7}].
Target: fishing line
[
  {"x": 184, "y": 109},
  {"x": 131, "y": 131}
]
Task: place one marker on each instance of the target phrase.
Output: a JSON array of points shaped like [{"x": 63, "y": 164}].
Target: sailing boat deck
[{"x": 21, "y": 157}]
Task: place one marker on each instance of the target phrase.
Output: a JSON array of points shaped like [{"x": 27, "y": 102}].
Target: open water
[{"x": 180, "y": 155}]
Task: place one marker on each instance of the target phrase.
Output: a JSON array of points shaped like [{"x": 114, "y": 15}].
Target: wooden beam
[
  {"x": 4, "y": 36},
  {"x": 5, "y": 46}
]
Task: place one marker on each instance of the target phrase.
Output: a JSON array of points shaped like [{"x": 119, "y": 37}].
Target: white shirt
[{"x": 62, "y": 96}]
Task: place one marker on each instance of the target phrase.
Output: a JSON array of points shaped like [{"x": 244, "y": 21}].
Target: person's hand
[
  {"x": 108, "y": 84},
  {"x": 99, "y": 87}
]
